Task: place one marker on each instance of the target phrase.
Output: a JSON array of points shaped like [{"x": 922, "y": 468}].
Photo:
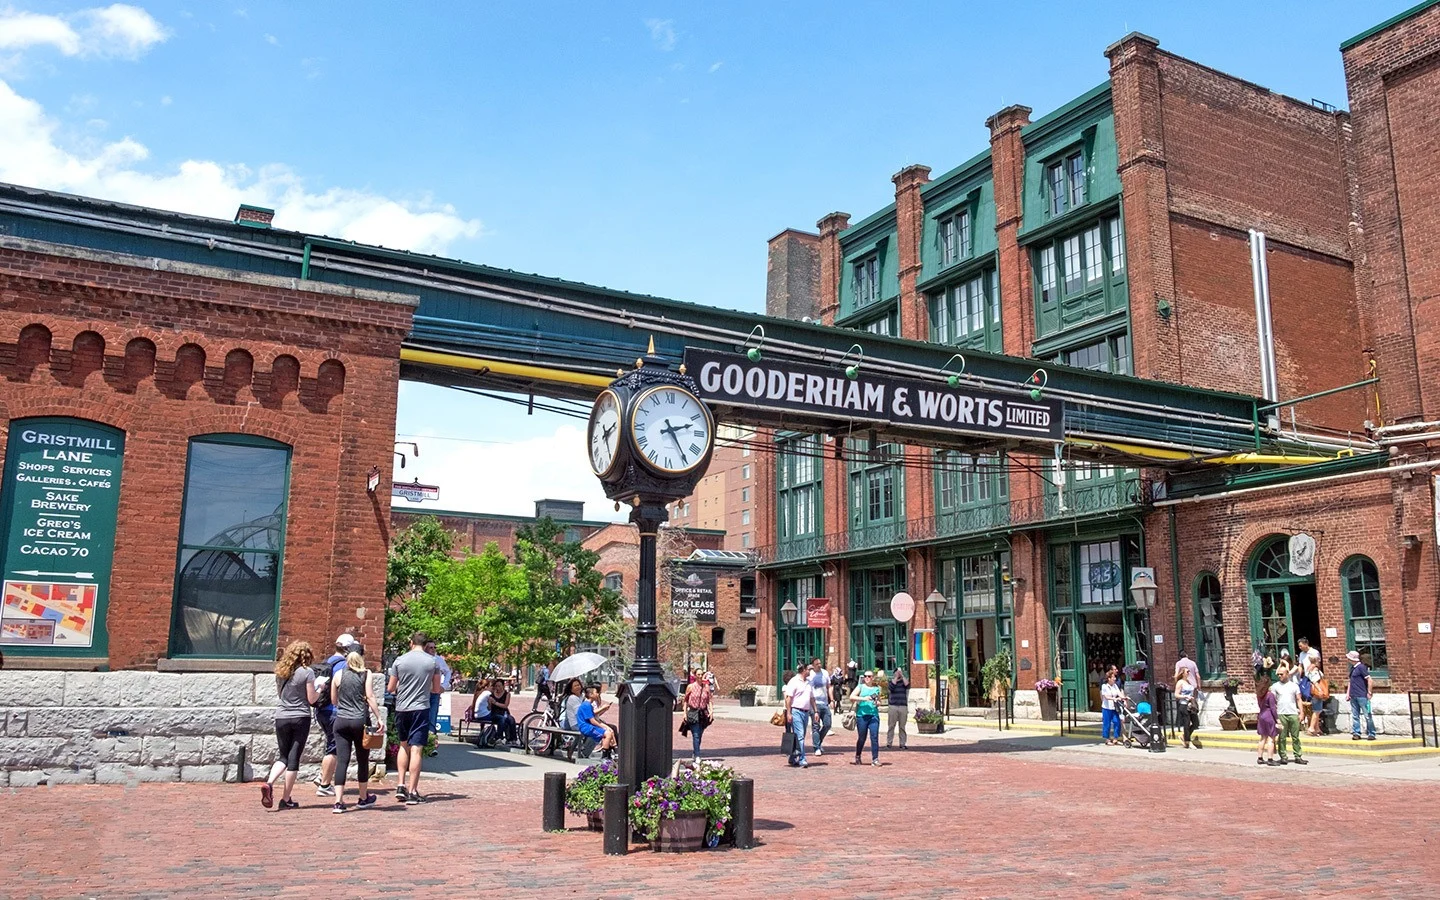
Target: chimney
[{"x": 254, "y": 216}]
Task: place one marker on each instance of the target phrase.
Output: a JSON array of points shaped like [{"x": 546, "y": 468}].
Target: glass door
[
  {"x": 796, "y": 646},
  {"x": 1068, "y": 655},
  {"x": 1275, "y": 624}
]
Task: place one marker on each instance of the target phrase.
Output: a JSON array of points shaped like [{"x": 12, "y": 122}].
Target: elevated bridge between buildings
[{"x": 483, "y": 327}]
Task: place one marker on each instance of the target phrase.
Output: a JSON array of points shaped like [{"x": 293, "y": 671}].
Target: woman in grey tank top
[{"x": 354, "y": 698}]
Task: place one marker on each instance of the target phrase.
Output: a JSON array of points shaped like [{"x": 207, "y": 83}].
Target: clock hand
[{"x": 670, "y": 432}]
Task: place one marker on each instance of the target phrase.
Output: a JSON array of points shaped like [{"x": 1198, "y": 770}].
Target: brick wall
[
  {"x": 169, "y": 351},
  {"x": 792, "y": 275}
]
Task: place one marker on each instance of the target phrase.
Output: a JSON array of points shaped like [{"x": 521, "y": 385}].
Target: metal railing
[
  {"x": 1069, "y": 711},
  {"x": 1421, "y": 710}
]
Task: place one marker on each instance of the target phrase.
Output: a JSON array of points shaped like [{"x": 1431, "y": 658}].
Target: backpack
[
  {"x": 1305, "y": 688},
  {"x": 324, "y": 671}
]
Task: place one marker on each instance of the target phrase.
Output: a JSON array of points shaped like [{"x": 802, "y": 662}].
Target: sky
[{"x": 650, "y": 146}]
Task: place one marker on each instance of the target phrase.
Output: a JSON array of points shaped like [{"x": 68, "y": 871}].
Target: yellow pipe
[
  {"x": 1236, "y": 459},
  {"x": 1247, "y": 459},
  {"x": 539, "y": 373}
]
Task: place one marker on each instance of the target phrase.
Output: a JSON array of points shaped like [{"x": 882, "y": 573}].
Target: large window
[
  {"x": 1065, "y": 184},
  {"x": 955, "y": 238},
  {"x": 1209, "y": 626},
  {"x": 614, "y": 581},
  {"x": 1107, "y": 354},
  {"x": 963, "y": 479},
  {"x": 867, "y": 280},
  {"x": 876, "y": 486},
  {"x": 797, "y": 510},
  {"x": 232, "y": 541},
  {"x": 1079, "y": 276},
  {"x": 967, "y": 314},
  {"x": 876, "y": 640},
  {"x": 1364, "y": 624}
]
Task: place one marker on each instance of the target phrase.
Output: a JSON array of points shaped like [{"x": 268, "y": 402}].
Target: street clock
[{"x": 650, "y": 436}]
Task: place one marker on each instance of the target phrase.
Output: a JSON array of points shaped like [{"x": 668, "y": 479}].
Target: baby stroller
[{"x": 1136, "y": 728}]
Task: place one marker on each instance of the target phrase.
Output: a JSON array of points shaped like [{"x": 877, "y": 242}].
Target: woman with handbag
[
  {"x": 697, "y": 711},
  {"x": 866, "y": 698},
  {"x": 354, "y": 700},
  {"x": 1187, "y": 702},
  {"x": 1319, "y": 694},
  {"x": 295, "y": 685}
]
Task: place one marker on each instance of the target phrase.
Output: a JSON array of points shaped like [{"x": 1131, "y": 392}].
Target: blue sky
[{"x": 647, "y": 146}]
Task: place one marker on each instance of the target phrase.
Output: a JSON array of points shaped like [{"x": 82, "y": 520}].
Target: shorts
[
  {"x": 592, "y": 732},
  {"x": 413, "y": 726},
  {"x": 325, "y": 715}
]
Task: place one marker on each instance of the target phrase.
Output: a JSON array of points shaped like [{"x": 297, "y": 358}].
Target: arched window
[
  {"x": 232, "y": 541},
  {"x": 1209, "y": 626},
  {"x": 614, "y": 581},
  {"x": 1273, "y": 560},
  {"x": 1364, "y": 625},
  {"x": 717, "y": 638}
]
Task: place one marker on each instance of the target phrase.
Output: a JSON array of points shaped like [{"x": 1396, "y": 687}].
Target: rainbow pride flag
[{"x": 924, "y": 648}]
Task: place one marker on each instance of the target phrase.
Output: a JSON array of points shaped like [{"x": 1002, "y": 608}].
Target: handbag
[
  {"x": 848, "y": 721},
  {"x": 787, "y": 743},
  {"x": 692, "y": 716},
  {"x": 1320, "y": 690},
  {"x": 373, "y": 740},
  {"x": 778, "y": 719}
]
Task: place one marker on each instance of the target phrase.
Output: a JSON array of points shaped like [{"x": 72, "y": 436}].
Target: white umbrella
[{"x": 576, "y": 665}]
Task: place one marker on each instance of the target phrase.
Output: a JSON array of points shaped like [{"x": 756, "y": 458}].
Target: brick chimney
[{"x": 254, "y": 216}]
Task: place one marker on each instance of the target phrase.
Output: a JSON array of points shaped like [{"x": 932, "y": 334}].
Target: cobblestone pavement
[{"x": 947, "y": 817}]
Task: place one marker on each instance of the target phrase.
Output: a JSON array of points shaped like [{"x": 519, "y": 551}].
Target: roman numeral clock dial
[
  {"x": 671, "y": 430},
  {"x": 604, "y": 433}
]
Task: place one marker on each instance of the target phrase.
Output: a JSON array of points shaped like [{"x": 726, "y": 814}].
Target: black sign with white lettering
[
  {"x": 733, "y": 380},
  {"x": 692, "y": 593}
]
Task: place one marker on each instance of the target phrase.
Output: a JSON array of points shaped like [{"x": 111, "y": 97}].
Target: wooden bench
[{"x": 568, "y": 742}]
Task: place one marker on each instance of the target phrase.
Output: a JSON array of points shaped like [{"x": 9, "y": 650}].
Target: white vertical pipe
[
  {"x": 1263, "y": 253},
  {"x": 1260, "y": 279}
]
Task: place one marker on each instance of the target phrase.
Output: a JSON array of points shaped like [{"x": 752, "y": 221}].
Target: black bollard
[
  {"x": 554, "y": 813},
  {"x": 617, "y": 819},
  {"x": 742, "y": 811}
]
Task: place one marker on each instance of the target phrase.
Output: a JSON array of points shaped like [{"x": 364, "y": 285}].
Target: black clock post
[{"x": 624, "y": 457}]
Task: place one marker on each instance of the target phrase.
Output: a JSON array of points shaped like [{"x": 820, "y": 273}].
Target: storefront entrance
[
  {"x": 982, "y": 620},
  {"x": 1092, "y": 628},
  {"x": 1283, "y": 605}
]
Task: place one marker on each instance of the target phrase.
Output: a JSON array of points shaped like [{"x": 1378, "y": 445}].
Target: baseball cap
[
  {"x": 346, "y": 640},
  {"x": 1353, "y": 656}
]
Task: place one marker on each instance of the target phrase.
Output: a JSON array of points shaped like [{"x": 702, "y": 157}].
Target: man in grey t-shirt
[{"x": 413, "y": 677}]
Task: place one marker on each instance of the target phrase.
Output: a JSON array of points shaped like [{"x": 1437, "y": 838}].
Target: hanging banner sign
[
  {"x": 923, "y": 644},
  {"x": 1302, "y": 554},
  {"x": 692, "y": 593},
  {"x": 61, "y": 496},
  {"x": 416, "y": 492},
  {"x": 817, "y": 612},
  {"x": 733, "y": 380}
]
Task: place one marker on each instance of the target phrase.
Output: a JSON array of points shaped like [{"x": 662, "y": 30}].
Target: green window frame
[
  {"x": 1080, "y": 275},
  {"x": 1209, "y": 625},
  {"x": 866, "y": 274},
  {"x": 796, "y": 643},
  {"x": 876, "y": 638},
  {"x": 955, "y": 236},
  {"x": 967, "y": 313},
  {"x": 799, "y": 505},
  {"x": 1109, "y": 353},
  {"x": 229, "y": 564},
  {"x": 1364, "y": 617},
  {"x": 877, "y": 486},
  {"x": 1065, "y": 182},
  {"x": 886, "y": 324}
]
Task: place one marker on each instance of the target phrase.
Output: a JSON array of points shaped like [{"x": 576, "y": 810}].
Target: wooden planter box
[
  {"x": 930, "y": 727},
  {"x": 595, "y": 820},
  {"x": 685, "y": 833},
  {"x": 1050, "y": 705}
]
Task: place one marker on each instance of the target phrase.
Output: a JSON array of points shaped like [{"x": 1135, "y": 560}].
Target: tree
[
  {"x": 679, "y": 636},
  {"x": 567, "y": 602},
  {"x": 457, "y": 607},
  {"x": 408, "y": 569}
]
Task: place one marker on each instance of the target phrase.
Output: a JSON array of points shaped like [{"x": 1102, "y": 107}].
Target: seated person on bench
[
  {"x": 492, "y": 707},
  {"x": 588, "y": 717},
  {"x": 574, "y": 696}
]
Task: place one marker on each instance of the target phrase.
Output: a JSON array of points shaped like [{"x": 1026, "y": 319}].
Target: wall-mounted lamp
[
  {"x": 372, "y": 482},
  {"x": 1037, "y": 381},
  {"x": 753, "y": 353},
  {"x": 852, "y": 371},
  {"x": 953, "y": 378}
]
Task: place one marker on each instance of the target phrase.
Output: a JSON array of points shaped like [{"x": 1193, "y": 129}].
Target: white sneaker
[{"x": 819, "y": 752}]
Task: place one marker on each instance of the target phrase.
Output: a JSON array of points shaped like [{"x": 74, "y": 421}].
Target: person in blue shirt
[
  {"x": 1361, "y": 687},
  {"x": 588, "y": 722}
]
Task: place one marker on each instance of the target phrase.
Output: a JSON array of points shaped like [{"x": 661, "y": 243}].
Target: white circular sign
[{"x": 902, "y": 607}]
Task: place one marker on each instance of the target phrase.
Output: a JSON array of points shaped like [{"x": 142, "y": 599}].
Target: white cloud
[
  {"x": 118, "y": 31},
  {"x": 32, "y": 154},
  {"x": 662, "y": 32},
  {"x": 715, "y": 67},
  {"x": 536, "y": 468},
  {"x": 272, "y": 40},
  {"x": 166, "y": 100}
]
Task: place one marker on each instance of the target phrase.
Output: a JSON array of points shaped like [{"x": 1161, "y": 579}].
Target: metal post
[
  {"x": 1157, "y": 722},
  {"x": 617, "y": 819},
  {"x": 553, "y": 817},
  {"x": 742, "y": 812},
  {"x": 646, "y": 741}
]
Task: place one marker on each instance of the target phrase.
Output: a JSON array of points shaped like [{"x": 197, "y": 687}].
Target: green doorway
[
  {"x": 1092, "y": 624},
  {"x": 1283, "y": 605}
]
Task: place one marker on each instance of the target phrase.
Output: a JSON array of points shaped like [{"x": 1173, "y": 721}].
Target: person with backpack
[
  {"x": 899, "y": 714},
  {"x": 325, "y": 710},
  {"x": 697, "y": 711},
  {"x": 295, "y": 686},
  {"x": 354, "y": 700}
]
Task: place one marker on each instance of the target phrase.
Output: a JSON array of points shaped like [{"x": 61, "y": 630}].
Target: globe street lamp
[{"x": 1145, "y": 592}]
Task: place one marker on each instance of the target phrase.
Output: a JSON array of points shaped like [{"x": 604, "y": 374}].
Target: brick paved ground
[{"x": 946, "y": 817}]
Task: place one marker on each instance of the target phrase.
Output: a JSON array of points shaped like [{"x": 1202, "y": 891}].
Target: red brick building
[
  {"x": 726, "y": 497},
  {"x": 1119, "y": 233}
]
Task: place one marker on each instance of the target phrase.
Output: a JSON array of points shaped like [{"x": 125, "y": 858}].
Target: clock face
[
  {"x": 604, "y": 432},
  {"x": 671, "y": 429}
]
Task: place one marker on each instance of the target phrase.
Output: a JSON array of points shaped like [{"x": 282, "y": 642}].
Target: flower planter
[
  {"x": 595, "y": 820},
  {"x": 930, "y": 727},
  {"x": 1229, "y": 721},
  {"x": 684, "y": 833},
  {"x": 746, "y": 698},
  {"x": 1049, "y": 705}
]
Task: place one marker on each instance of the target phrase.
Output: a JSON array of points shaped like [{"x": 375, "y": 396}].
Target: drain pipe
[
  {"x": 1175, "y": 583},
  {"x": 1260, "y": 278}
]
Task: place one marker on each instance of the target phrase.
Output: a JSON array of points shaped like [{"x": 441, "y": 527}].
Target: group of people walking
[
  {"x": 340, "y": 694},
  {"x": 808, "y": 696}
]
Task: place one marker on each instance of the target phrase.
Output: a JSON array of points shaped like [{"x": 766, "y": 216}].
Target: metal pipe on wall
[{"x": 1260, "y": 280}]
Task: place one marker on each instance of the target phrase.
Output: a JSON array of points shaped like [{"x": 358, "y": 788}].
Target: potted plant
[
  {"x": 1230, "y": 719},
  {"x": 683, "y": 813},
  {"x": 995, "y": 675},
  {"x": 586, "y": 794},
  {"x": 929, "y": 721},
  {"x": 744, "y": 692},
  {"x": 1049, "y": 691}
]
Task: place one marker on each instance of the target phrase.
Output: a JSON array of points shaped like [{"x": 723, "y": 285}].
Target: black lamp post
[
  {"x": 1145, "y": 592},
  {"x": 935, "y": 605}
]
